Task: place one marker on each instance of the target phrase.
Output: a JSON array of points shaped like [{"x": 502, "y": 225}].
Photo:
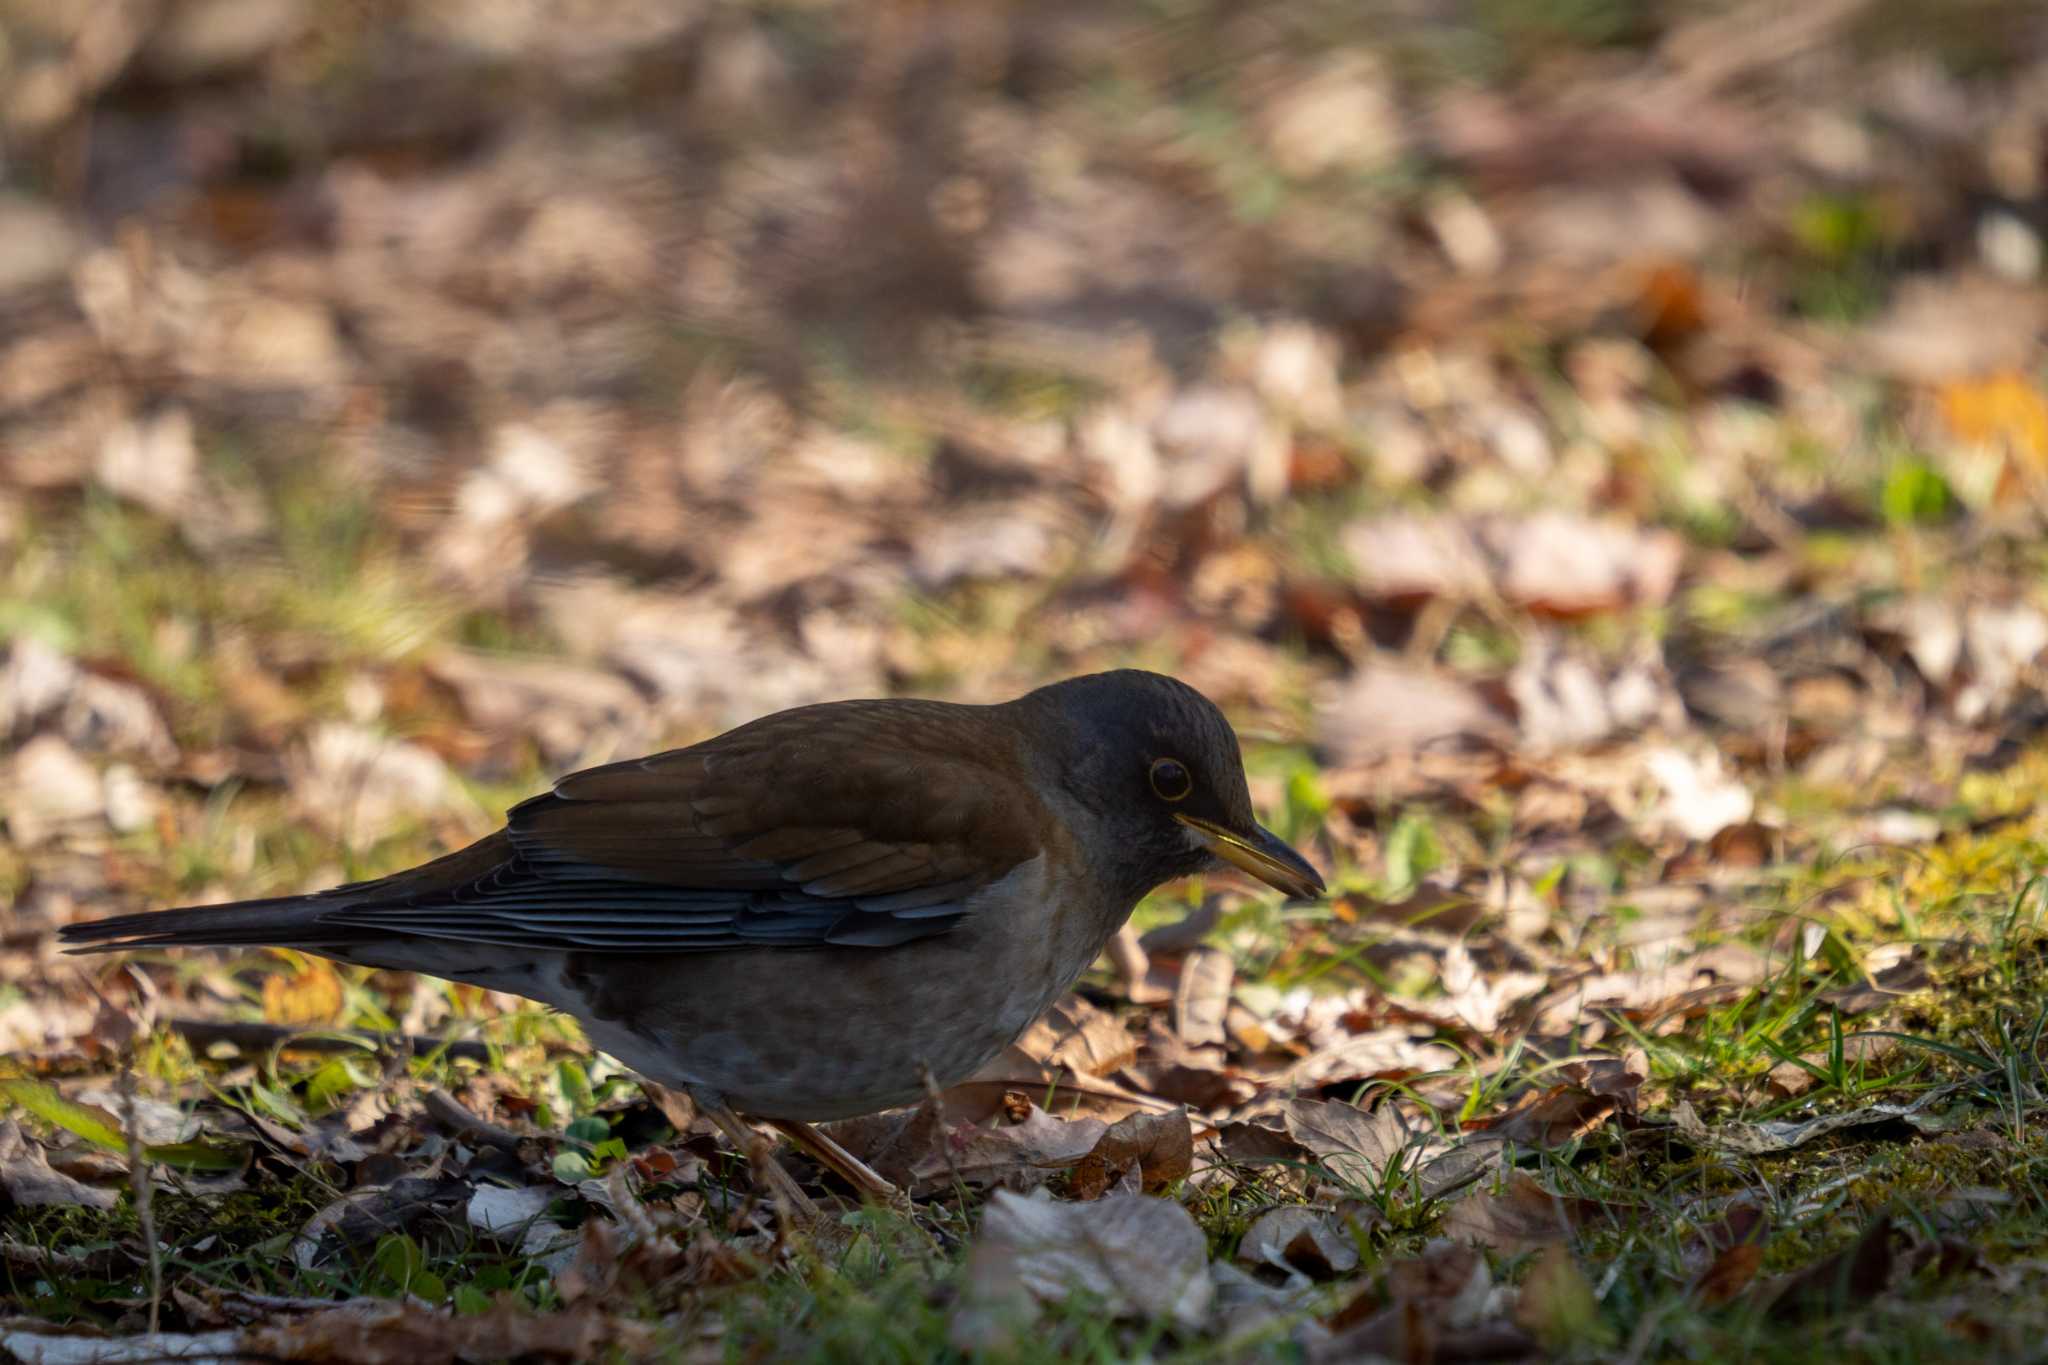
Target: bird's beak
[{"x": 1263, "y": 854}]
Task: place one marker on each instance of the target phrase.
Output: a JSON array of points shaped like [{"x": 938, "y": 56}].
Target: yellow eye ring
[{"x": 1171, "y": 780}]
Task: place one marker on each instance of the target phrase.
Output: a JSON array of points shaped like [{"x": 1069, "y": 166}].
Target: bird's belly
[
  {"x": 831, "y": 1033},
  {"x": 818, "y": 1050}
]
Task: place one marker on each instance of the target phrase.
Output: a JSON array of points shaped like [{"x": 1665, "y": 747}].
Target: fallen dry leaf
[
  {"x": 1160, "y": 1146},
  {"x": 1521, "y": 1215},
  {"x": 1557, "y": 1304},
  {"x": 1440, "y": 1306},
  {"x": 1139, "y": 1257},
  {"x": 1081, "y": 1037},
  {"x": 1297, "y": 1238},
  {"x": 1201, "y": 999},
  {"x": 1729, "y": 1273},
  {"x": 1854, "y": 1275},
  {"x": 29, "y": 1181},
  {"x": 1777, "y": 1135},
  {"x": 1355, "y": 1146},
  {"x": 988, "y": 1153}
]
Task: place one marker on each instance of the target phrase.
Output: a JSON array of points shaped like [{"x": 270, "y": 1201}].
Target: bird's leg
[
  {"x": 758, "y": 1151},
  {"x": 838, "y": 1160}
]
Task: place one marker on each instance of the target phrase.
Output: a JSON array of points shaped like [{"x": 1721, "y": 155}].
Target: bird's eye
[{"x": 1171, "y": 780}]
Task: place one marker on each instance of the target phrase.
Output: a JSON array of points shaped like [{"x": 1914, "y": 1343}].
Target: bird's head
[{"x": 1156, "y": 767}]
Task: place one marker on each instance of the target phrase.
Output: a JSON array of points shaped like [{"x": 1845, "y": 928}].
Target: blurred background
[{"x": 1588, "y": 445}]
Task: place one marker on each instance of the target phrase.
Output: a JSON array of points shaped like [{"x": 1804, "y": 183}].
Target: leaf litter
[{"x": 1659, "y": 678}]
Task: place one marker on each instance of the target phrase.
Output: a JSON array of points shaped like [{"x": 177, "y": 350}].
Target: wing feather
[{"x": 854, "y": 823}]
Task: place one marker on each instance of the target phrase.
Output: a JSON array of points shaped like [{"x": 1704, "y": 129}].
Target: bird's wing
[{"x": 855, "y": 823}]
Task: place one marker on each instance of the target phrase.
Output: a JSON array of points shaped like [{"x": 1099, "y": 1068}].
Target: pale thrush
[{"x": 823, "y": 912}]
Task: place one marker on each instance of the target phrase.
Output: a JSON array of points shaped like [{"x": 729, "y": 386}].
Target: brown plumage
[{"x": 809, "y": 915}]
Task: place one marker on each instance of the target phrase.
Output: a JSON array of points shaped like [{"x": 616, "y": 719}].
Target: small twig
[
  {"x": 139, "y": 1178},
  {"x": 450, "y": 1112}
]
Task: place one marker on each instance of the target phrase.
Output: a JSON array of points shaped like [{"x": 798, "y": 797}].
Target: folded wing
[{"x": 852, "y": 823}]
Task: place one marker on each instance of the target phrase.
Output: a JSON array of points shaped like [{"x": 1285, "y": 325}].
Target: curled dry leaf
[
  {"x": 29, "y": 1182},
  {"x": 1201, "y": 999},
  {"x": 1139, "y": 1257},
  {"x": 1160, "y": 1146},
  {"x": 1478, "y": 1000},
  {"x": 1080, "y": 1037},
  {"x": 1763, "y": 1139},
  {"x": 1556, "y": 564},
  {"x": 1598, "y": 1088},
  {"x": 1300, "y": 1239}
]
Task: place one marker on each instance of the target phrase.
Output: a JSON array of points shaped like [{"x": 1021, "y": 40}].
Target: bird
[{"x": 822, "y": 913}]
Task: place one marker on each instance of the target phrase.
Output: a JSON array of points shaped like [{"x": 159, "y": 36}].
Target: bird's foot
[
  {"x": 678, "y": 1107},
  {"x": 870, "y": 1185}
]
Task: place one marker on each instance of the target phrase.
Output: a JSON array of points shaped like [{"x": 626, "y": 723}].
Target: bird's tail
[{"x": 279, "y": 921}]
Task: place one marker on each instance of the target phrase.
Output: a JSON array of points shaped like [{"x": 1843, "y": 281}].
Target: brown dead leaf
[
  {"x": 1887, "y": 986},
  {"x": 310, "y": 995},
  {"x": 1853, "y": 1275},
  {"x": 29, "y": 1182},
  {"x": 1617, "y": 1078},
  {"x": 988, "y": 1153},
  {"x": 1355, "y": 1146},
  {"x": 1255, "y": 1144},
  {"x": 1201, "y": 998},
  {"x": 1439, "y": 1306},
  {"x": 1521, "y": 1215},
  {"x": 1788, "y": 1079},
  {"x": 1160, "y": 1146},
  {"x": 1382, "y": 1054},
  {"x": 1296, "y": 1238},
  {"x": 386, "y": 1333},
  {"x": 1479, "y": 999},
  {"x": 1550, "y": 1118},
  {"x": 1782, "y": 1135},
  {"x": 1728, "y": 1274},
  {"x": 1139, "y": 1257},
  {"x": 1557, "y": 1304},
  {"x": 1081, "y": 1037},
  {"x": 1389, "y": 708},
  {"x": 1559, "y": 565},
  {"x": 1016, "y": 1071},
  {"x": 1597, "y": 1089},
  {"x": 1404, "y": 559}
]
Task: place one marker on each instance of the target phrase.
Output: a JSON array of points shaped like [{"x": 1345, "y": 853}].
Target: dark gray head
[{"x": 1158, "y": 767}]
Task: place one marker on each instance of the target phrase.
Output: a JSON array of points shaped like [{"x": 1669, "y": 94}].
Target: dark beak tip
[{"x": 1308, "y": 884}]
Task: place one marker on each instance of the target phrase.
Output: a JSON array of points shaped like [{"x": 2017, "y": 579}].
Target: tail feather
[
  {"x": 291, "y": 921},
  {"x": 280, "y": 921}
]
